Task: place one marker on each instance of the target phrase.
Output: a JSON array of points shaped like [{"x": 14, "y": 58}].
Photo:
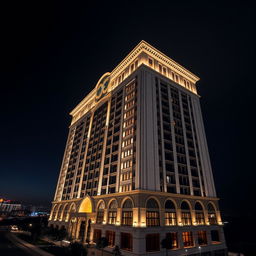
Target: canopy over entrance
[{"x": 86, "y": 206}]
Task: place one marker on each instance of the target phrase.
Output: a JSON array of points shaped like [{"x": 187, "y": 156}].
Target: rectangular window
[
  {"x": 202, "y": 238},
  {"x": 152, "y": 218},
  {"x": 126, "y": 241},
  {"x": 187, "y": 238},
  {"x": 96, "y": 235},
  {"x": 200, "y": 218},
  {"x": 100, "y": 216},
  {"x": 170, "y": 218},
  {"x": 112, "y": 217},
  {"x": 215, "y": 236},
  {"x": 186, "y": 218},
  {"x": 172, "y": 240},
  {"x": 127, "y": 218},
  {"x": 152, "y": 242},
  {"x": 110, "y": 235}
]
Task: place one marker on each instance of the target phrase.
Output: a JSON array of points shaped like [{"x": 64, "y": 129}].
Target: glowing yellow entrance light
[{"x": 86, "y": 206}]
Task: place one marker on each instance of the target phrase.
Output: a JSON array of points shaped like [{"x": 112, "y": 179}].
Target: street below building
[{"x": 9, "y": 247}]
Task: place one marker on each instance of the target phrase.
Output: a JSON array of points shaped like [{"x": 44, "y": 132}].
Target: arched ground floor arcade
[{"x": 140, "y": 221}]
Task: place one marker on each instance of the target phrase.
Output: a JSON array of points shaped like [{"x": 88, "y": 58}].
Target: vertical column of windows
[
  {"x": 80, "y": 171},
  {"x": 167, "y": 141},
  {"x": 94, "y": 152},
  {"x": 81, "y": 157},
  {"x": 180, "y": 143},
  {"x": 191, "y": 147},
  {"x": 112, "y": 145},
  {"x": 73, "y": 160},
  {"x": 160, "y": 139},
  {"x": 201, "y": 177},
  {"x": 127, "y": 168},
  {"x": 61, "y": 191}
]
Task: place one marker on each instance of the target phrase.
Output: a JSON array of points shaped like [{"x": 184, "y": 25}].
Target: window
[
  {"x": 152, "y": 215},
  {"x": 202, "y": 237},
  {"x": 187, "y": 238},
  {"x": 110, "y": 236},
  {"x": 170, "y": 213},
  {"x": 185, "y": 214},
  {"x": 152, "y": 242},
  {"x": 172, "y": 240},
  {"x": 96, "y": 235},
  {"x": 100, "y": 213},
  {"x": 211, "y": 214},
  {"x": 126, "y": 241},
  {"x": 199, "y": 214},
  {"x": 215, "y": 236},
  {"x": 112, "y": 212},
  {"x": 127, "y": 214}
]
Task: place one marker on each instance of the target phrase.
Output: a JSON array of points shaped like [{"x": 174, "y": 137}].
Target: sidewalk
[{"x": 29, "y": 248}]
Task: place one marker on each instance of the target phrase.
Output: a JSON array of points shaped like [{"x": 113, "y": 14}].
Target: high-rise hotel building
[{"x": 136, "y": 167}]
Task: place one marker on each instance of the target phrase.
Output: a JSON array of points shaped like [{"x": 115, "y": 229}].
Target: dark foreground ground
[
  {"x": 240, "y": 234},
  {"x": 8, "y": 248}
]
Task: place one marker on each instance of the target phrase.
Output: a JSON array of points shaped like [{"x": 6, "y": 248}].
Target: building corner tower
[{"x": 136, "y": 167}]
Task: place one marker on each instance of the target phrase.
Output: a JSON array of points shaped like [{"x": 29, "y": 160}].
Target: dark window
[
  {"x": 100, "y": 216},
  {"x": 126, "y": 241},
  {"x": 110, "y": 235},
  {"x": 152, "y": 242},
  {"x": 172, "y": 240},
  {"x": 96, "y": 235},
  {"x": 112, "y": 179},
  {"x": 215, "y": 236},
  {"x": 202, "y": 238}
]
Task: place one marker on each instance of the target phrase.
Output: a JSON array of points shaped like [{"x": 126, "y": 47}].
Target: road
[{"x": 9, "y": 248}]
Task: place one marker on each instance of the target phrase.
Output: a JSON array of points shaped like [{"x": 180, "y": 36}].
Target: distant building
[
  {"x": 7, "y": 207},
  {"x": 136, "y": 167}
]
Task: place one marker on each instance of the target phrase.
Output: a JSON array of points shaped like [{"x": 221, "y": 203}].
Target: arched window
[
  {"x": 170, "y": 213},
  {"x": 211, "y": 214},
  {"x": 59, "y": 213},
  {"x": 199, "y": 214},
  {"x": 112, "y": 212},
  {"x": 185, "y": 214},
  {"x": 65, "y": 213},
  {"x": 127, "y": 215},
  {"x": 152, "y": 215},
  {"x": 100, "y": 213}
]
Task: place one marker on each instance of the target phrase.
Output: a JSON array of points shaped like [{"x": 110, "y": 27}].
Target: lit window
[{"x": 187, "y": 238}]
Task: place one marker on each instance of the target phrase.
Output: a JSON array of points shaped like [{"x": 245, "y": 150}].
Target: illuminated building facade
[{"x": 136, "y": 168}]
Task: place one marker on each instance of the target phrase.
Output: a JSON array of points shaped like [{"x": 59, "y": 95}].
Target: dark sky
[{"x": 53, "y": 54}]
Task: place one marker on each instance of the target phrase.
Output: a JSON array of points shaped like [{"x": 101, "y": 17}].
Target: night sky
[{"x": 53, "y": 54}]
